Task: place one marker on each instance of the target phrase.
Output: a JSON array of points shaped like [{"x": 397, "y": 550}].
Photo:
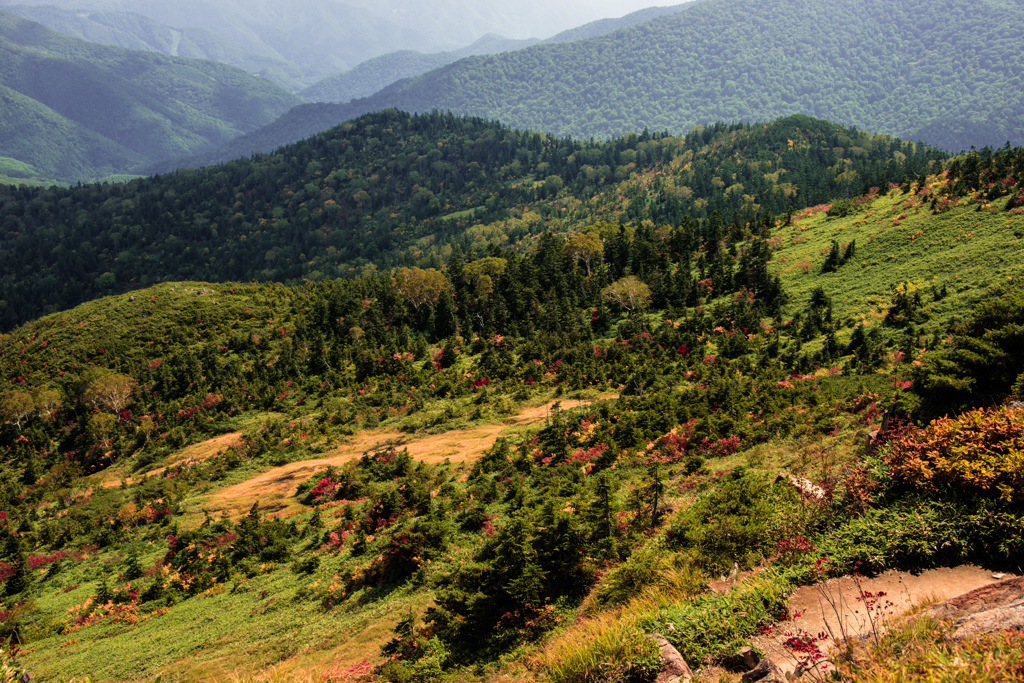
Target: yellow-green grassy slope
[{"x": 969, "y": 248}]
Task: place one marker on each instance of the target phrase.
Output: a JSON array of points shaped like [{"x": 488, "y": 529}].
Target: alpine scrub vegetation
[
  {"x": 263, "y": 459},
  {"x": 981, "y": 450}
]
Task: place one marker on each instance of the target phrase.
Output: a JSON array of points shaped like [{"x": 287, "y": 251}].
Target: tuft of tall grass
[
  {"x": 650, "y": 572},
  {"x": 605, "y": 648},
  {"x": 918, "y": 649}
]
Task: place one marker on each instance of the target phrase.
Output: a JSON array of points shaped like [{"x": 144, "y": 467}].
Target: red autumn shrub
[{"x": 981, "y": 450}]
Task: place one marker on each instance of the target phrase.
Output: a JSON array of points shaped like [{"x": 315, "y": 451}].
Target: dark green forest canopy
[
  {"x": 947, "y": 72},
  {"x": 392, "y": 189}
]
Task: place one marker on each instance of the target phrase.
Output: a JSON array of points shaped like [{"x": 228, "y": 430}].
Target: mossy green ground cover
[{"x": 245, "y": 626}]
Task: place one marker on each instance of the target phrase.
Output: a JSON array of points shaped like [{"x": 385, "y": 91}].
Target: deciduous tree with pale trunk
[{"x": 628, "y": 292}]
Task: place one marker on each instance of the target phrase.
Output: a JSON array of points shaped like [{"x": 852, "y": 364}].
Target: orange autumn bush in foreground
[{"x": 982, "y": 449}]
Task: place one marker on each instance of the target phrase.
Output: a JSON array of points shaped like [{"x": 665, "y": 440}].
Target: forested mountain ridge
[
  {"x": 298, "y": 44},
  {"x": 393, "y": 189},
  {"x": 888, "y": 67},
  {"x": 79, "y": 111},
  {"x": 375, "y": 74}
]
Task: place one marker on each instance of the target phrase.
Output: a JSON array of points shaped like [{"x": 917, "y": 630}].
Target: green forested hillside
[
  {"x": 948, "y": 73},
  {"x": 392, "y": 189},
  {"x": 79, "y": 110},
  {"x": 285, "y": 466},
  {"x": 49, "y": 145},
  {"x": 889, "y": 67},
  {"x": 377, "y": 73},
  {"x": 425, "y": 398}
]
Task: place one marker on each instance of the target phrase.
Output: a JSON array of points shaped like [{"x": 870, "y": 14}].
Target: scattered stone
[
  {"x": 804, "y": 486},
  {"x": 765, "y": 671},
  {"x": 674, "y": 668}
]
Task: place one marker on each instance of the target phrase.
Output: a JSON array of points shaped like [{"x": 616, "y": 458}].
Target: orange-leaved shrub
[{"x": 981, "y": 450}]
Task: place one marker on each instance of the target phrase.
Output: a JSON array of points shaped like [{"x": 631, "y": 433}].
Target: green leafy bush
[
  {"x": 979, "y": 366},
  {"x": 713, "y": 627},
  {"x": 919, "y": 531},
  {"x": 741, "y": 520}
]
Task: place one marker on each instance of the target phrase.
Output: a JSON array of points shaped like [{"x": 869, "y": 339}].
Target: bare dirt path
[
  {"x": 200, "y": 451},
  {"x": 275, "y": 489},
  {"x": 838, "y": 605},
  {"x": 109, "y": 478}
]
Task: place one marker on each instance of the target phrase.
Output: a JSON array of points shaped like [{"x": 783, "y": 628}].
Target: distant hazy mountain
[
  {"x": 605, "y": 26},
  {"x": 378, "y": 73},
  {"x": 137, "y": 32},
  {"x": 949, "y": 72},
  {"x": 75, "y": 110},
  {"x": 299, "y": 43}
]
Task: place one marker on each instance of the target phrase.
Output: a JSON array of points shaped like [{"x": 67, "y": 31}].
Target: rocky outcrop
[
  {"x": 806, "y": 487},
  {"x": 996, "y": 607},
  {"x": 766, "y": 671},
  {"x": 674, "y": 668}
]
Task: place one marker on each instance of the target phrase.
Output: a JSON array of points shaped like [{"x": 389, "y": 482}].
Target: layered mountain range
[
  {"x": 889, "y": 68},
  {"x": 297, "y": 44},
  {"x": 946, "y": 72},
  {"x": 75, "y": 110}
]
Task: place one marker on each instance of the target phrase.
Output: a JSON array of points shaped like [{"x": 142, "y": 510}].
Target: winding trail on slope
[
  {"x": 275, "y": 489},
  {"x": 175, "y": 42},
  {"x": 838, "y": 607}
]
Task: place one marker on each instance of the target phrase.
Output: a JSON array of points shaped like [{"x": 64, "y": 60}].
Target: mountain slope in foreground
[{"x": 287, "y": 466}]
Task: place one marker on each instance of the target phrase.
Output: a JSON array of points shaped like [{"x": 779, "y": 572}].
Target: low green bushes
[
  {"x": 742, "y": 521},
  {"x": 712, "y": 627}
]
